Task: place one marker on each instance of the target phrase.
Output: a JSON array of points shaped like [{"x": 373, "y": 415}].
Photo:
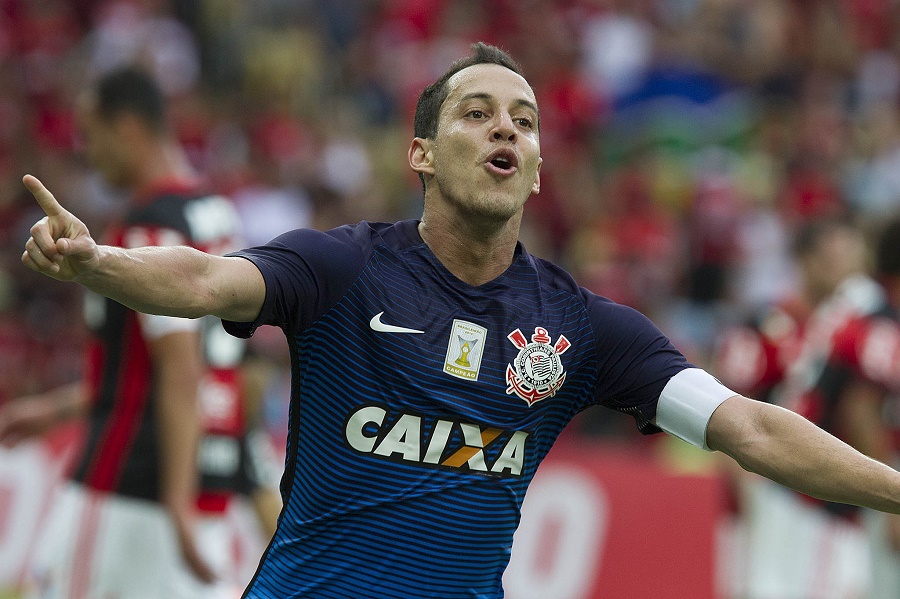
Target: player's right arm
[{"x": 172, "y": 281}]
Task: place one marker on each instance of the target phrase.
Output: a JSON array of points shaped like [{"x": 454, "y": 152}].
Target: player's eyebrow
[{"x": 486, "y": 96}]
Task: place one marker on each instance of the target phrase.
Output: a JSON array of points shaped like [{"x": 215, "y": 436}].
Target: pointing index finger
[{"x": 43, "y": 196}]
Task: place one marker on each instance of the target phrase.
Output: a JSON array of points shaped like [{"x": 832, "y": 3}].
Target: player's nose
[{"x": 504, "y": 128}]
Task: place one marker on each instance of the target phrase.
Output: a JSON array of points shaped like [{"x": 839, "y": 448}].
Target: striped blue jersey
[{"x": 421, "y": 406}]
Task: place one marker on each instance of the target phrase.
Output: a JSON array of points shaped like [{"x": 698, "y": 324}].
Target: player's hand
[
  {"x": 185, "y": 525},
  {"x": 27, "y": 417},
  {"x": 60, "y": 245}
]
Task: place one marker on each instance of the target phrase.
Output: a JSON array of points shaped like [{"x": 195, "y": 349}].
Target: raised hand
[{"x": 60, "y": 245}]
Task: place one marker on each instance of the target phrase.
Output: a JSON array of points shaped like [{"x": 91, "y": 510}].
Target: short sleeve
[
  {"x": 635, "y": 360},
  {"x": 869, "y": 347},
  {"x": 306, "y": 272}
]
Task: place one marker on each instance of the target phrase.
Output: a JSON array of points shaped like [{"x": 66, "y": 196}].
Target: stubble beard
[
  {"x": 486, "y": 214},
  {"x": 485, "y": 206}
]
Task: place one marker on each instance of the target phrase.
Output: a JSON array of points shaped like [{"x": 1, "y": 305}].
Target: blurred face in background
[
  {"x": 105, "y": 142},
  {"x": 838, "y": 254}
]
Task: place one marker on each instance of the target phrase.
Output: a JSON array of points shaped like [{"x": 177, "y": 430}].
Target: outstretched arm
[
  {"x": 790, "y": 450},
  {"x": 173, "y": 281}
]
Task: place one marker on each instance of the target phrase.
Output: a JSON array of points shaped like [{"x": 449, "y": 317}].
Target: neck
[
  {"x": 475, "y": 253},
  {"x": 162, "y": 160}
]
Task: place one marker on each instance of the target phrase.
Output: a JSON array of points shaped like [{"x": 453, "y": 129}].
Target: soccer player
[
  {"x": 143, "y": 515},
  {"x": 794, "y": 547},
  {"x": 857, "y": 392},
  {"x": 436, "y": 361}
]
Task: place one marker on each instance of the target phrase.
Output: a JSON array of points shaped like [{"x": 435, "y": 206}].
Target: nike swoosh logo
[{"x": 379, "y": 326}]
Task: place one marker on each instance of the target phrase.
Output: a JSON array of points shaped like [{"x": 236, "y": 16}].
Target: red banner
[{"x": 600, "y": 522}]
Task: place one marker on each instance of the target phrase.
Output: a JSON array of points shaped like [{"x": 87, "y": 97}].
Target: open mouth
[{"x": 502, "y": 162}]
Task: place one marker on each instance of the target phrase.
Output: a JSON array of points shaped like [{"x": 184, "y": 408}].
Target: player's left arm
[
  {"x": 792, "y": 451},
  {"x": 178, "y": 369}
]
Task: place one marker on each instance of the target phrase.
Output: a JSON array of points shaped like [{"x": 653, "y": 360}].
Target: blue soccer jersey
[{"x": 421, "y": 406}]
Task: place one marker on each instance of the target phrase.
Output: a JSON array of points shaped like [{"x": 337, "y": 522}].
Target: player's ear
[
  {"x": 421, "y": 156},
  {"x": 536, "y": 186}
]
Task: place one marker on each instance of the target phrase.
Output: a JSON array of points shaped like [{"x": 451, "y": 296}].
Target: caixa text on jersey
[{"x": 444, "y": 443}]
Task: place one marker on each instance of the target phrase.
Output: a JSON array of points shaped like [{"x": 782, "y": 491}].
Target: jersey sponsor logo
[
  {"x": 464, "y": 350},
  {"x": 376, "y": 325},
  {"x": 537, "y": 372},
  {"x": 412, "y": 438}
]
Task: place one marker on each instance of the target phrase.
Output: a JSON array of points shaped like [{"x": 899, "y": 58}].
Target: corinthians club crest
[{"x": 537, "y": 371}]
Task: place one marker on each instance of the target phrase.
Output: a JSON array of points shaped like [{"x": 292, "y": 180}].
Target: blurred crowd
[{"x": 685, "y": 142}]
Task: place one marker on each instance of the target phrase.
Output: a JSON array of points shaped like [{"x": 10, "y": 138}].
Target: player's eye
[
  {"x": 476, "y": 114},
  {"x": 524, "y": 122}
]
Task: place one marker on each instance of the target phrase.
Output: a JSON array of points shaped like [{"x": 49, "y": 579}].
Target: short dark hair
[
  {"x": 133, "y": 91},
  {"x": 428, "y": 107},
  {"x": 811, "y": 233},
  {"x": 887, "y": 250}
]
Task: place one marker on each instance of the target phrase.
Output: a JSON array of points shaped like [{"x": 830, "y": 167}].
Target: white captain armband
[{"x": 687, "y": 402}]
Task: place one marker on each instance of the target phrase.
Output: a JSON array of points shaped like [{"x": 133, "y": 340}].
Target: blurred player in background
[
  {"x": 858, "y": 397},
  {"x": 827, "y": 537},
  {"x": 436, "y": 361},
  {"x": 163, "y": 397},
  {"x": 793, "y": 546}
]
